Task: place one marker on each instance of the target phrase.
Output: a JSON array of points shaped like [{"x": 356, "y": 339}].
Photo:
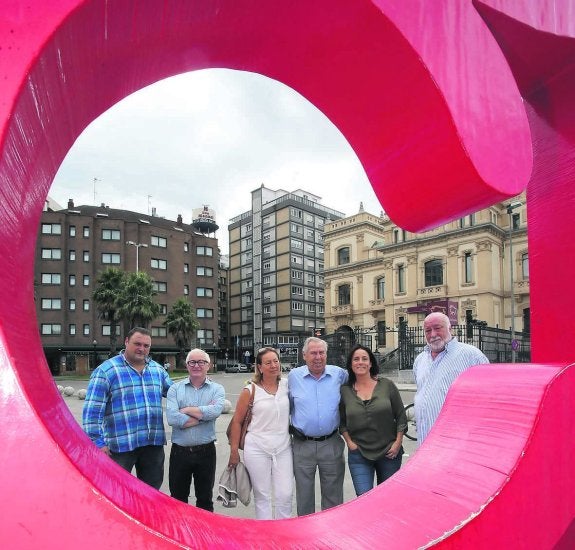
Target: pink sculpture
[{"x": 451, "y": 105}]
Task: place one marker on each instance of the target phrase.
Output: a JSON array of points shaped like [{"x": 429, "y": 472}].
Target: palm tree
[
  {"x": 181, "y": 324},
  {"x": 106, "y": 293},
  {"x": 136, "y": 306}
]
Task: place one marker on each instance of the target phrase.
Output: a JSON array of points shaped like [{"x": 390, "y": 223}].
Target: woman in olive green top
[{"x": 372, "y": 421}]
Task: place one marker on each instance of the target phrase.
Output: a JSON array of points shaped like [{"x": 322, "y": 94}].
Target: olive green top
[{"x": 373, "y": 424}]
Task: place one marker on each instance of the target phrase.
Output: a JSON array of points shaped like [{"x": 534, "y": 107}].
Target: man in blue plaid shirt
[{"x": 123, "y": 413}]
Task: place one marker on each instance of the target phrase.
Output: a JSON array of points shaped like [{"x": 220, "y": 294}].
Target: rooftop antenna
[{"x": 95, "y": 180}]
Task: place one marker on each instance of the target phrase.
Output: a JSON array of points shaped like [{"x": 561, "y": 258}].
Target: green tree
[
  {"x": 136, "y": 306},
  {"x": 181, "y": 324},
  {"x": 106, "y": 294}
]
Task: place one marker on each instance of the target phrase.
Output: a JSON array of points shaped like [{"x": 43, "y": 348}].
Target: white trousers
[{"x": 271, "y": 475}]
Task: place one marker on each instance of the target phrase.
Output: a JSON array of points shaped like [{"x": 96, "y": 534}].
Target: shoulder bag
[{"x": 246, "y": 421}]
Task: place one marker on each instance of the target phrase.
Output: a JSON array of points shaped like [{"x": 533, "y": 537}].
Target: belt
[
  {"x": 319, "y": 437},
  {"x": 195, "y": 448}
]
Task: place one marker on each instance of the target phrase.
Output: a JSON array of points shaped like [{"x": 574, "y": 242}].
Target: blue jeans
[
  {"x": 149, "y": 463},
  {"x": 363, "y": 469}
]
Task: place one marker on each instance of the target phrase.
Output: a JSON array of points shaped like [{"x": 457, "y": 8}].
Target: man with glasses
[
  {"x": 314, "y": 392},
  {"x": 192, "y": 408},
  {"x": 123, "y": 412}
]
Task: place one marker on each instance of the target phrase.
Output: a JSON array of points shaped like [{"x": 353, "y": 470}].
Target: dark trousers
[
  {"x": 199, "y": 463},
  {"x": 149, "y": 463}
]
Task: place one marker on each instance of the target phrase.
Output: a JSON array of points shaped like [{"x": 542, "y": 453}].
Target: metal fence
[{"x": 494, "y": 342}]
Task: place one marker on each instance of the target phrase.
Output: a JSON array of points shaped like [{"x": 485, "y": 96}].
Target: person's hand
[
  {"x": 234, "y": 459},
  {"x": 352, "y": 446},
  {"x": 106, "y": 450},
  {"x": 393, "y": 450}
]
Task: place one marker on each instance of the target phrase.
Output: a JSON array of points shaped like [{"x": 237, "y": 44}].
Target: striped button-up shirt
[
  {"x": 123, "y": 407},
  {"x": 434, "y": 377}
]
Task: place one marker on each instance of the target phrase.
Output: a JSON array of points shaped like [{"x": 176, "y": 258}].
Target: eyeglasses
[{"x": 199, "y": 362}]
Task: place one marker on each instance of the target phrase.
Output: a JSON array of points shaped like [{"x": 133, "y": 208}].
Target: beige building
[{"x": 377, "y": 275}]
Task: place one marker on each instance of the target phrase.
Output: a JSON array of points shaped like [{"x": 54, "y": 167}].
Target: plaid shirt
[{"x": 123, "y": 408}]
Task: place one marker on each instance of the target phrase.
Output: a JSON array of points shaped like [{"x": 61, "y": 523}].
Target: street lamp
[
  {"x": 510, "y": 207},
  {"x": 94, "y": 343},
  {"x": 137, "y": 245}
]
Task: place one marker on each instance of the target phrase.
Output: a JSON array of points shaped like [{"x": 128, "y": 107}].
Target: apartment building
[
  {"x": 276, "y": 274},
  {"x": 474, "y": 269},
  {"x": 77, "y": 243}
]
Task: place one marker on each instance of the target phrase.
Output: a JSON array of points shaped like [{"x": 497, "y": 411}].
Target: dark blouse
[{"x": 373, "y": 424}]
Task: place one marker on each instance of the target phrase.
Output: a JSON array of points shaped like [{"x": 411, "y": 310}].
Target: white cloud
[{"x": 211, "y": 137}]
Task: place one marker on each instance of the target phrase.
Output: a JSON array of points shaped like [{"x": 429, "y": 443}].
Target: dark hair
[
  {"x": 257, "y": 378},
  {"x": 373, "y": 369},
  {"x": 140, "y": 330}
]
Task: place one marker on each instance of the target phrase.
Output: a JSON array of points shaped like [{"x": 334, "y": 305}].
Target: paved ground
[{"x": 233, "y": 384}]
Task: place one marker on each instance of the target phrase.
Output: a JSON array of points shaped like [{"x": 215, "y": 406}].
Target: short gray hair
[
  {"x": 198, "y": 350},
  {"x": 313, "y": 340}
]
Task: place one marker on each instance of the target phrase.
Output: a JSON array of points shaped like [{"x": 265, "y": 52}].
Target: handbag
[{"x": 245, "y": 423}]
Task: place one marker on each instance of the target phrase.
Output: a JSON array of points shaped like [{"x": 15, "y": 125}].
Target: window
[
  {"x": 186, "y": 268},
  {"x": 72, "y": 304},
  {"x": 311, "y": 308},
  {"x": 296, "y": 274},
  {"x": 156, "y": 263},
  {"x": 160, "y": 332},
  {"x": 72, "y": 231},
  {"x": 72, "y": 329},
  {"x": 310, "y": 278},
  {"x": 296, "y": 243},
  {"x": 107, "y": 330},
  {"x": 86, "y": 330},
  {"x": 51, "y": 278},
  {"x": 108, "y": 258},
  {"x": 86, "y": 305},
  {"x": 72, "y": 255},
  {"x": 266, "y": 266},
  {"x": 204, "y": 313},
  {"x": 297, "y": 290},
  {"x": 163, "y": 309},
  {"x": 297, "y": 306},
  {"x": 401, "y": 278},
  {"x": 86, "y": 280},
  {"x": 51, "y": 303},
  {"x": 320, "y": 308},
  {"x": 204, "y": 251},
  {"x": 343, "y": 295},
  {"x": 297, "y": 260},
  {"x": 72, "y": 280},
  {"x": 343, "y": 256},
  {"x": 380, "y": 288},
  {"x": 310, "y": 293},
  {"x": 267, "y": 310},
  {"x": 266, "y": 280},
  {"x": 51, "y": 329},
  {"x": 516, "y": 221},
  {"x": 525, "y": 265},
  {"x": 51, "y": 254},
  {"x": 186, "y": 290},
  {"x": 433, "y": 273},
  {"x": 160, "y": 286},
  {"x": 205, "y": 336},
  {"x": 86, "y": 231},
  {"x": 468, "y": 267},
  {"x": 51, "y": 229},
  {"x": 110, "y": 234},
  {"x": 202, "y": 271},
  {"x": 203, "y": 292},
  {"x": 296, "y": 213},
  {"x": 186, "y": 247},
  {"x": 295, "y": 228},
  {"x": 86, "y": 255},
  {"x": 162, "y": 242},
  {"x": 471, "y": 220}
]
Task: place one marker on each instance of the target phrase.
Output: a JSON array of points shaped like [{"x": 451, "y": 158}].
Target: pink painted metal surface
[{"x": 426, "y": 94}]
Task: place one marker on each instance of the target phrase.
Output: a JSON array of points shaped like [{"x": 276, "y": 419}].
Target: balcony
[
  {"x": 438, "y": 291},
  {"x": 377, "y": 304},
  {"x": 521, "y": 287},
  {"x": 340, "y": 311}
]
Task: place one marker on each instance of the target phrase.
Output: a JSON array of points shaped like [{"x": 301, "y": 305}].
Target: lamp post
[
  {"x": 137, "y": 245},
  {"x": 510, "y": 207},
  {"x": 94, "y": 344}
]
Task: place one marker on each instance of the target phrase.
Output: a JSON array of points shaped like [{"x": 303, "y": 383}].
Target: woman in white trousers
[{"x": 267, "y": 448}]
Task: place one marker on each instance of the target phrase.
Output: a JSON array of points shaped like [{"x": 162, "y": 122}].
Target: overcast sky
[{"x": 209, "y": 138}]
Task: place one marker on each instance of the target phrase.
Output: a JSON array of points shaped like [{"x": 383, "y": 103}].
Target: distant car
[{"x": 236, "y": 367}]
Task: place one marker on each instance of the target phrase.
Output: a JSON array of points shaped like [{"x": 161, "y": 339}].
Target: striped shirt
[
  {"x": 123, "y": 408},
  {"x": 434, "y": 377},
  {"x": 209, "y": 398}
]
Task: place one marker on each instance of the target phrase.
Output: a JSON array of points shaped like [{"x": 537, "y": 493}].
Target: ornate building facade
[{"x": 378, "y": 275}]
